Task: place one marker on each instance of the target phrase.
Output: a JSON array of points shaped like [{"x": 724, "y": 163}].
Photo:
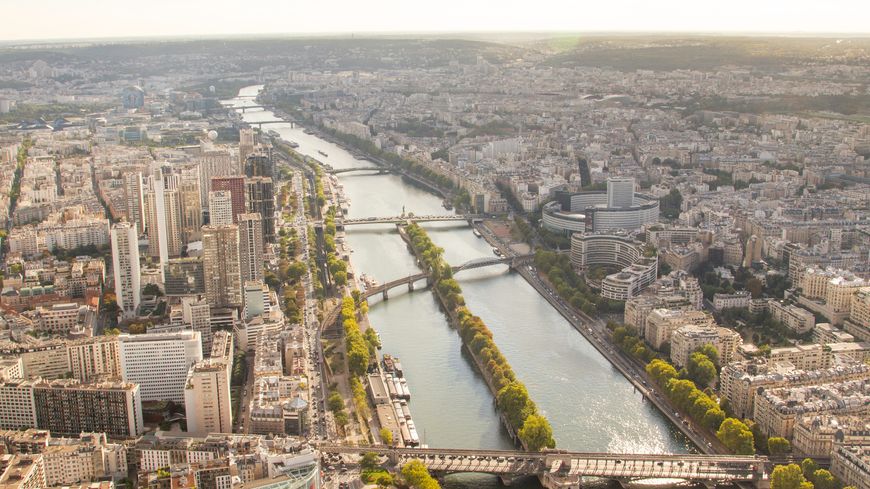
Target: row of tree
[
  {"x": 512, "y": 397},
  {"x": 685, "y": 395},
  {"x": 572, "y": 287},
  {"x": 807, "y": 475}
]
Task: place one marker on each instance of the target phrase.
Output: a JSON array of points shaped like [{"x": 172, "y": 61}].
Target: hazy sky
[{"x": 52, "y": 19}]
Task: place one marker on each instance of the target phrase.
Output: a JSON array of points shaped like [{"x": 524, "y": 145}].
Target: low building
[
  {"x": 816, "y": 435},
  {"x": 777, "y": 409},
  {"x": 851, "y": 464},
  {"x": 737, "y": 300},
  {"x": 793, "y": 317},
  {"x": 688, "y": 339},
  {"x": 740, "y": 382}
]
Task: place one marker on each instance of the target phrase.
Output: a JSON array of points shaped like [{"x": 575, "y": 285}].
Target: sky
[{"x": 77, "y": 19}]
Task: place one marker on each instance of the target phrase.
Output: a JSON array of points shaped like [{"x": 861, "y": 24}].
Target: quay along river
[{"x": 590, "y": 405}]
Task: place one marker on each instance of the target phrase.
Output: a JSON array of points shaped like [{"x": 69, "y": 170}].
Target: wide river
[{"x": 590, "y": 405}]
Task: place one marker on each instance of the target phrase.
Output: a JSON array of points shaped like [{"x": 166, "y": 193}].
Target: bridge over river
[
  {"x": 564, "y": 470},
  {"x": 470, "y": 218},
  {"x": 512, "y": 261}
]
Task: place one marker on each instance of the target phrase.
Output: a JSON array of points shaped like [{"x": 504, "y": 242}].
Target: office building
[
  {"x": 207, "y": 397},
  {"x": 125, "y": 265},
  {"x": 222, "y": 271},
  {"x": 163, "y": 217},
  {"x": 235, "y": 185},
  {"x": 159, "y": 362},
  {"x": 134, "y": 198},
  {"x": 251, "y": 246},
  {"x": 246, "y": 145},
  {"x": 90, "y": 358},
  {"x": 68, "y": 407},
  {"x": 259, "y": 165},
  {"x": 260, "y": 198},
  {"x": 620, "y": 192},
  {"x": 183, "y": 276},
  {"x": 220, "y": 204},
  {"x": 190, "y": 196}
]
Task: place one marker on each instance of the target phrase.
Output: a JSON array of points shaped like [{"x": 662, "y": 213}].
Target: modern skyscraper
[
  {"x": 236, "y": 186},
  {"x": 256, "y": 299},
  {"x": 220, "y": 205},
  {"x": 163, "y": 216},
  {"x": 133, "y": 187},
  {"x": 215, "y": 164},
  {"x": 246, "y": 144},
  {"x": 183, "y": 276},
  {"x": 125, "y": 264},
  {"x": 251, "y": 246},
  {"x": 159, "y": 362},
  {"x": 259, "y": 165},
  {"x": 191, "y": 203},
  {"x": 220, "y": 253},
  {"x": 260, "y": 196},
  {"x": 196, "y": 313},
  {"x": 620, "y": 192}
]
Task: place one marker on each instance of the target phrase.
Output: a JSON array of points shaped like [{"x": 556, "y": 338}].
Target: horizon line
[{"x": 425, "y": 33}]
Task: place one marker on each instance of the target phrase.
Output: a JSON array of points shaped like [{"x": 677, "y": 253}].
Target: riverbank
[
  {"x": 517, "y": 410},
  {"x": 595, "y": 332}
]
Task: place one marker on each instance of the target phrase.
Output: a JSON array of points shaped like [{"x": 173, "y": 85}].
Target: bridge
[
  {"x": 383, "y": 289},
  {"x": 376, "y": 169},
  {"x": 245, "y": 107},
  {"x": 404, "y": 219},
  {"x": 564, "y": 470}
]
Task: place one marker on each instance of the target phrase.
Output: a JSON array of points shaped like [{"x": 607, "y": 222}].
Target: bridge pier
[
  {"x": 410, "y": 286},
  {"x": 384, "y": 294}
]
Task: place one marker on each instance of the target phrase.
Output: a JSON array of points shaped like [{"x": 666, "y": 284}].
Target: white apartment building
[
  {"x": 207, "y": 397},
  {"x": 125, "y": 265},
  {"x": 159, "y": 362},
  {"x": 92, "y": 357}
]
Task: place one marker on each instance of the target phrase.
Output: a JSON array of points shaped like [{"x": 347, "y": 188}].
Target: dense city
[{"x": 594, "y": 262}]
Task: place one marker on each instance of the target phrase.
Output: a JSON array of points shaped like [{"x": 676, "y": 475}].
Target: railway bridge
[{"x": 566, "y": 470}]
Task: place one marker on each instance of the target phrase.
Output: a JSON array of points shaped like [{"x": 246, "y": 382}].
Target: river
[{"x": 590, "y": 405}]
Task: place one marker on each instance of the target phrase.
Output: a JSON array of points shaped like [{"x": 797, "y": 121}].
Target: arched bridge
[
  {"x": 383, "y": 289},
  {"x": 375, "y": 170},
  {"x": 564, "y": 469},
  {"x": 404, "y": 219}
]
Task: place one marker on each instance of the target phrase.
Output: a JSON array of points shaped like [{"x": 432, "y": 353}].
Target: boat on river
[{"x": 323, "y": 154}]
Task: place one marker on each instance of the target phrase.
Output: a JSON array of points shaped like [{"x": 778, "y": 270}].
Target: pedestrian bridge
[
  {"x": 565, "y": 469},
  {"x": 512, "y": 261},
  {"x": 406, "y": 219}
]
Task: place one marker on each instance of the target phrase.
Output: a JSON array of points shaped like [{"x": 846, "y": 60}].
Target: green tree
[
  {"x": 152, "y": 289},
  {"x": 335, "y": 402},
  {"x": 777, "y": 445},
  {"x": 786, "y": 477},
  {"x": 386, "y": 436},
  {"x": 711, "y": 352},
  {"x": 735, "y": 435},
  {"x": 416, "y": 475},
  {"x": 823, "y": 479},
  {"x": 369, "y": 461},
  {"x": 701, "y": 369},
  {"x": 537, "y": 433},
  {"x": 809, "y": 467},
  {"x": 383, "y": 480},
  {"x": 515, "y": 403}
]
